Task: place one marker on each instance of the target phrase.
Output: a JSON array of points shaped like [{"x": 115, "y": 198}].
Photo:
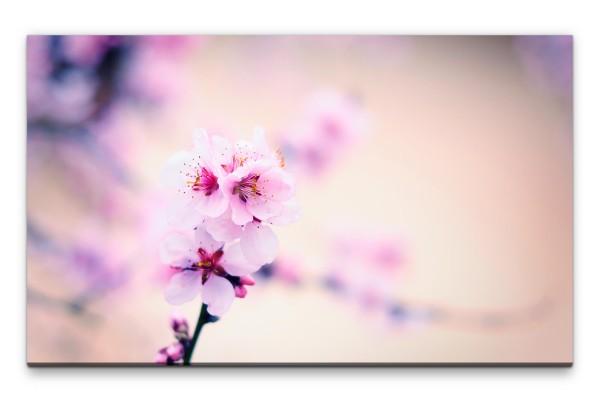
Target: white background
[{"x": 378, "y": 17}]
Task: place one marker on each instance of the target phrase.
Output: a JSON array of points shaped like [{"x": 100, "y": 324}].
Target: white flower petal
[
  {"x": 200, "y": 137},
  {"x": 213, "y": 205},
  {"x": 222, "y": 150},
  {"x": 205, "y": 241},
  {"x": 289, "y": 214},
  {"x": 183, "y": 287},
  {"x": 239, "y": 214},
  {"x": 218, "y": 294},
  {"x": 222, "y": 228},
  {"x": 263, "y": 208},
  {"x": 177, "y": 250},
  {"x": 245, "y": 150},
  {"x": 259, "y": 243},
  {"x": 182, "y": 213},
  {"x": 260, "y": 142},
  {"x": 235, "y": 263}
]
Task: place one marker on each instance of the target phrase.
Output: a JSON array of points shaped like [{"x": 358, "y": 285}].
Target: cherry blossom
[
  {"x": 205, "y": 267},
  {"x": 195, "y": 175},
  {"x": 258, "y": 190},
  {"x": 229, "y": 196}
]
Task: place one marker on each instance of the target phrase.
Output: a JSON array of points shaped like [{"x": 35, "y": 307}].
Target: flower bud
[
  {"x": 175, "y": 351},
  {"x": 161, "y": 357},
  {"x": 240, "y": 291},
  {"x": 178, "y": 323}
]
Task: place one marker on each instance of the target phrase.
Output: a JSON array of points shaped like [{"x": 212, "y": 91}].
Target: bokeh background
[{"x": 436, "y": 216}]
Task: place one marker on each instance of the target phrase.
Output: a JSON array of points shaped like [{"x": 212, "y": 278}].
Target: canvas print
[{"x": 299, "y": 199}]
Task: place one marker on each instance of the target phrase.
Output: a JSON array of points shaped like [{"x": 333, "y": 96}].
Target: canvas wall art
[{"x": 282, "y": 199}]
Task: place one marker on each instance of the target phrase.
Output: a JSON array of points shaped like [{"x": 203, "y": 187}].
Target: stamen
[
  {"x": 280, "y": 158},
  {"x": 248, "y": 187},
  {"x": 205, "y": 181}
]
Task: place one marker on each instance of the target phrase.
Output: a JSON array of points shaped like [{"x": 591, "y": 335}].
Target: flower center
[
  {"x": 209, "y": 264},
  {"x": 247, "y": 187},
  {"x": 280, "y": 158},
  {"x": 205, "y": 181}
]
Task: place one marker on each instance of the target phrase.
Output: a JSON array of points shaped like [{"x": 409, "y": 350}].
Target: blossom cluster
[{"x": 227, "y": 198}]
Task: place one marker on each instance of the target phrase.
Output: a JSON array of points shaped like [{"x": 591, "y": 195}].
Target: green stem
[{"x": 202, "y": 320}]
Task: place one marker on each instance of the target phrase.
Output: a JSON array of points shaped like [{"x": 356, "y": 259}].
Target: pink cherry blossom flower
[
  {"x": 206, "y": 268},
  {"x": 233, "y": 191},
  {"x": 287, "y": 268},
  {"x": 195, "y": 175},
  {"x": 242, "y": 152},
  {"x": 257, "y": 190},
  {"x": 330, "y": 125}
]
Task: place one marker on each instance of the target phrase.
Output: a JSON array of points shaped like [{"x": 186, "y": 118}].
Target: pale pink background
[{"x": 468, "y": 157}]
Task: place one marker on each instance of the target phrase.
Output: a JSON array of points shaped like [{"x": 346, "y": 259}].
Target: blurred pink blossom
[
  {"x": 330, "y": 125},
  {"x": 366, "y": 266},
  {"x": 287, "y": 267},
  {"x": 157, "y": 70}
]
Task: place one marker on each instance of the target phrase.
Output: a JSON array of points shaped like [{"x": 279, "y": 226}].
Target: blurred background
[{"x": 434, "y": 175}]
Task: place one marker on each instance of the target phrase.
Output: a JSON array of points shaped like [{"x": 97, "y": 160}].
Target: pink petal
[
  {"x": 260, "y": 142},
  {"x": 184, "y": 287},
  {"x": 259, "y": 243},
  {"x": 218, "y": 294},
  {"x": 263, "y": 208},
  {"x": 247, "y": 280},
  {"x": 175, "y": 351},
  {"x": 205, "y": 241},
  {"x": 277, "y": 184},
  {"x": 201, "y": 143},
  {"x": 212, "y": 205},
  {"x": 245, "y": 150},
  {"x": 235, "y": 263},
  {"x": 177, "y": 250},
  {"x": 261, "y": 166},
  {"x": 290, "y": 212},
  {"x": 161, "y": 357},
  {"x": 222, "y": 228},
  {"x": 239, "y": 214},
  {"x": 222, "y": 150},
  {"x": 182, "y": 214}
]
